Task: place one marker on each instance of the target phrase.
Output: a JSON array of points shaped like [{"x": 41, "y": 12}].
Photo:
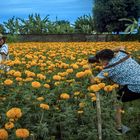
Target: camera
[{"x": 92, "y": 59}]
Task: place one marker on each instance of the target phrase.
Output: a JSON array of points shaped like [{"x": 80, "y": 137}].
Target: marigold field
[{"x": 47, "y": 95}]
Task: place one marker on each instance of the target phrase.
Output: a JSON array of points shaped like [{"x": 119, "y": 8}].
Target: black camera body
[{"x": 92, "y": 59}]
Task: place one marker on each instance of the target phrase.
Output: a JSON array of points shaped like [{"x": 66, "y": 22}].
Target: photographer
[{"x": 123, "y": 70}]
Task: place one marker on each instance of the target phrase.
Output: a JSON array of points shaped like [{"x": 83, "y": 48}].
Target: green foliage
[
  {"x": 12, "y": 38},
  {"x": 59, "y": 27},
  {"x": 62, "y": 121},
  {"x": 34, "y": 25},
  {"x": 2, "y": 29},
  {"x": 84, "y": 24},
  {"x": 131, "y": 26},
  {"x": 12, "y": 25},
  {"x": 108, "y": 12}
]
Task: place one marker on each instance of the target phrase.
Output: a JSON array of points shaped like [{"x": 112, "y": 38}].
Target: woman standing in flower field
[
  {"x": 3, "y": 51},
  {"x": 123, "y": 70},
  {"x": 3, "y": 48}
]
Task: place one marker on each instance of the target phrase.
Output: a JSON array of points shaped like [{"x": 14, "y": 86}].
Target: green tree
[
  {"x": 132, "y": 8},
  {"x": 2, "y": 29},
  {"x": 60, "y": 27},
  {"x": 34, "y": 24},
  {"x": 12, "y": 25},
  {"x": 108, "y": 12},
  {"x": 84, "y": 24},
  {"x": 131, "y": 25}
]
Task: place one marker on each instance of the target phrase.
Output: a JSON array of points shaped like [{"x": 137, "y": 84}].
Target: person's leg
[
  {"x": 118, "y": 117},
  {"x": 118, "y": 108},
  {"x": 124, "y": 95}
]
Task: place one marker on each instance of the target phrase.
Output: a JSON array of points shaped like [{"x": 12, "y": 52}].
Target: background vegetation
[{"x": 109, "y": 16}]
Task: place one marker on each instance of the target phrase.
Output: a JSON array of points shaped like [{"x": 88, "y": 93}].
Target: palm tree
[
  {"x": 12, "y": 25},
  {"x": 34, "y": 25},
  {"x": 131, "y": 26},
  {"x": 60, "y": 27},
  {"x": 84, "y": 24}
]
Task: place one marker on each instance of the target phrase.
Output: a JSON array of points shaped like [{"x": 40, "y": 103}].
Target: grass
[{"x": 131, "y": 118}]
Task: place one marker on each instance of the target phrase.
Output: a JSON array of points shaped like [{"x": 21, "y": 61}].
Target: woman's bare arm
[{"x": 3, "y": 56}]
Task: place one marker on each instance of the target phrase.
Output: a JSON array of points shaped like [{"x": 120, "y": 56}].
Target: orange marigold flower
[
  {"x": 40, "y": 98},
  {"x": 22, "y": 133},
  {"x": 94, "y": 88},
  {"x": 11, "y": 72},
  {"x": 36, "y": 84},
  {"x": 45, "y": 106},
  {"x": 56, "y": 77},
  {"x": 3, "y": 134},
  {"x": 46, "y": 85},
  {"x": 92, "y": 94},
  {"x": 9, "y": 125},
  {"x": 86, "y": 66},
  {"x": 17, "y": 62},
  {"x": 8, "y": 82},
  {"x": 63, "y": 74},
  {"x": 82, "y": 104},
  {"x": 64, "y": 96},
  {"x": 80, "y": 74},
  {"x": 18, "y": 79},
  {"x": 14, "y": 113},
  {"x": 30, "y": 74},
  {"x": 28, "y": 79},
  {"x": 99, "y": 67},
  {"x": 101, "y": 85},
  {"x": 57, "y": 83},
  {"x": 115, "y": 85},
  {"x": 76, "y": 93},
  {"x": 41, "y": 76},
  {"x": 69, "y": 70},
  {"x": 17, "y": 74},
  {"x": 108, "y": 88},
  {"x": 93, "y": 98},
  {"x": 75, "y": 66},
  {"x": 97, "y": 80},
  {"x": 87, "y": 72}
]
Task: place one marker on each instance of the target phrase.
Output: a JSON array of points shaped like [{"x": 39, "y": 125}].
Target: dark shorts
[{"x": 126, "y": 95}]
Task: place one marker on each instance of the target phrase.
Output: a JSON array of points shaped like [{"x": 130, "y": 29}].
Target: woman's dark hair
[
  {"x": 4, "y": 40},
  {"x": 105, "y": 54}
]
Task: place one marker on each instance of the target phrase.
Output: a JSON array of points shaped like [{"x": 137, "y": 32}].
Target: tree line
[
  {"x": 37, "y": 25},
  {"x": 108, "y": 16}
]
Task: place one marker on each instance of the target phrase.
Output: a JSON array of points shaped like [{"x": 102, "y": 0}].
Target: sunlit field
[{"x": 47, "y": 95}]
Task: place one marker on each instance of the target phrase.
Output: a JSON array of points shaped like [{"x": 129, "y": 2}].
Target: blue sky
[{"x": 62, "y": 9}]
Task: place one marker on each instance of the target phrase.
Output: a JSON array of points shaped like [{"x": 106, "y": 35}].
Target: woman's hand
[{"x": 119, "y": 48}]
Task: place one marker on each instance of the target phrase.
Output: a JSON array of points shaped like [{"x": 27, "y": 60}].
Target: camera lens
[{"x": 92, "y": 59}]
